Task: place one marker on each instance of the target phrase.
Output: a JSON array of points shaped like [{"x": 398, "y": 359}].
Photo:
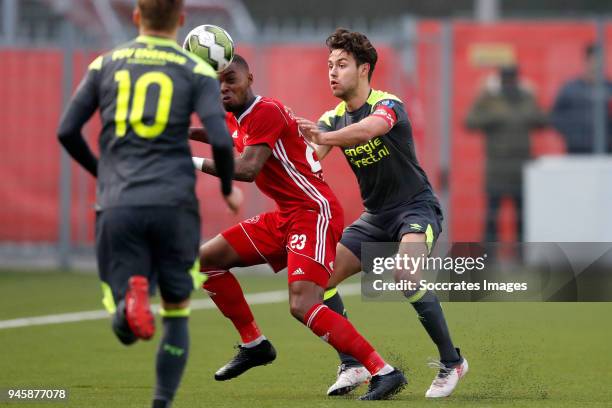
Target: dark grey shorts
[
  {"x": 159, "y": 242},
  {"x": 391, "y": 225}
]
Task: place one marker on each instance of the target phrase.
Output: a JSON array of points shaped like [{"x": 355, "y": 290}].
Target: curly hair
[{"x": 356, "y": 44}]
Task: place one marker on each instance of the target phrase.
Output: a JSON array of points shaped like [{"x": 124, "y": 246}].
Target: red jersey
[{"x": 292, "y": 176}]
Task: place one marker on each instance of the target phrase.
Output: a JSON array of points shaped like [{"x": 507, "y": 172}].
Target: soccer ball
[{"x": 211, "y": 43}]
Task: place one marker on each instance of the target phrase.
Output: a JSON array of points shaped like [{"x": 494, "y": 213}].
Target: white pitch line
[{"x": 261, "y": 298}]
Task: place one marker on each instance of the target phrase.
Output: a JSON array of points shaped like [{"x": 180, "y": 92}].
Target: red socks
[
  {"x": 227, "y": 294},
  {"x": 340, "y": 333}
]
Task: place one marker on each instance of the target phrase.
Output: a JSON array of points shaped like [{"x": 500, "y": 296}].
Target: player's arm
[
  {"x": 324, "y": 126},
  {"x": 357, "y": 133},
  {"x": 321, "y": 150},
  {"x": 263, "y": 133},
  {"x": 80, "y": 108},
  {"x": 248, "y": 165},
  {"x": 211, "y": 113},
  {"x": 198, "y": 134}
]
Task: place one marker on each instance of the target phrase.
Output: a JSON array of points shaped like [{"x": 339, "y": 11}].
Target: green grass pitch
[{"x": 520, "y": 354}]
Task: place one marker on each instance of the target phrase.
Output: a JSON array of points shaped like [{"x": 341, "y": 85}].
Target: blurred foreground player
[
  {"x": 148, "y": 224},
  {"x": 300, "y": 235},
  {"x": 375, "y": 136}
]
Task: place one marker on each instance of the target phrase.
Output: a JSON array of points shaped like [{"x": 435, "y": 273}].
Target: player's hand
[
  {"x": 310, "y": 131},
  {"x": 234, "y": 200}
]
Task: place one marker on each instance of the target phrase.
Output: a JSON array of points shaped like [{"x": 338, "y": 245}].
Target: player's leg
[
  {"x": 426, "y": 303},
  {"x": 175, "y": 236},
  {"x": 351, "y": 373},
  {"x": 124, "y": 265},
  {"x": 172, "y": 353},
  {"x": 110, "y": 297},
  {"x": 306, "y": 305},
  {"x": 217, "y": 256},
  {"x": 308, "y": 276},
  {"x": 345, "y": 266},
  {"x": 452, "y": 367},
  {"x": 245, "y": 244}
]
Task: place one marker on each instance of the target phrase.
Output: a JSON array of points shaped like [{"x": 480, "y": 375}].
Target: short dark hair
[
  {"x": 160, "y": 14},
  {"x": 239, "y": 60},
  {"x": 356, "y": 44}
]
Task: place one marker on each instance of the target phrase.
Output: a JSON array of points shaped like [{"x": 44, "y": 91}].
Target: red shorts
[{"x": 305, "y": 243}]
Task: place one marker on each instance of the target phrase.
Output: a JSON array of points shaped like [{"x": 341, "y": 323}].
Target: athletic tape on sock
[
  {"x": 107, "y": 298},
  {"x": 175, "y": 312},
  {"x": 416, "y": 296},
  {"x": 330, "y": 293},
  {"x": 197, "y": 277}
]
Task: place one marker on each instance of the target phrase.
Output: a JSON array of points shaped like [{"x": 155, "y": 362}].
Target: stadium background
[
  {"x": 436, "y": 64},
  {"x": 435, "y": 55}
]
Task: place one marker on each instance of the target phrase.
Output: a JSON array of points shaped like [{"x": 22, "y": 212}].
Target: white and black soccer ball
[{"x": 211, "y": 43}]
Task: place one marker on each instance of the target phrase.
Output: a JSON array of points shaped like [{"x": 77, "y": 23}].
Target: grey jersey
[
  {"x": 146, "y": 91},
  {"x": 386, "y": 166}
]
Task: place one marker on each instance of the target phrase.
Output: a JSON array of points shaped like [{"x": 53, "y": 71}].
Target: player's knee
[
  {"x": 298, "y": 308},
  {"x": 217, "y": 253},
  {"x": 212, "y": 258},
  {"x": 346, "y": 265},
  {"x": 303, "y": 295},
  {"x": 207, "y": 257},
  {"x": 402, "y": 275}
]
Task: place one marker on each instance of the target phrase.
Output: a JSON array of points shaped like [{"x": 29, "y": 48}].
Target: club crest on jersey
[
  {"x": 388, "y": 103},
  {"x": 252, "y": 220}
]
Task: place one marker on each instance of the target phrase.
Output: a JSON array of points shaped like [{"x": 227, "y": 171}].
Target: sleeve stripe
[
  {"x": 338, "y": 111},
  {"x": 377, "y": 96},
  {"x": 326, "y": 117},
  {"x": 387, "y": 114},
  {"x": 96, "y": 64}
]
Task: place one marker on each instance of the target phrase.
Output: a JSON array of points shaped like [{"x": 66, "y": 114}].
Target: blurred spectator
[
  {"x": 505, "y": 111},
  {"x": 572, "y": 113}
]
